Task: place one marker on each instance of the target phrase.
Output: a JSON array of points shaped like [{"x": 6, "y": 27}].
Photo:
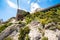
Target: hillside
[{"x": 40, "y": 25}]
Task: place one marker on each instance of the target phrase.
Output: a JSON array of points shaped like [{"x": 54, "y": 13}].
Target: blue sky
[{"x": 8, "y": 8}]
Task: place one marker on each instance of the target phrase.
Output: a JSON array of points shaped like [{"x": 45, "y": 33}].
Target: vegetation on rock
[
  {"x": 8, "y": 38},
  {"x": 2, "y": 27},
  {"x": 44, "y": 38},
  {"x": 24, "y": 33}
]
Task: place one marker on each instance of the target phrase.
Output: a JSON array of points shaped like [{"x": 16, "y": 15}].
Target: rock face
[
  {"x": 6, "y": 32},
  {"x": 58, "y": 34},
  {"x": 14, "y": 35},
  {"x": 51, "y": 35},
  {"x": 34, "y": 32},
  {"x": 9, "y": 30}
]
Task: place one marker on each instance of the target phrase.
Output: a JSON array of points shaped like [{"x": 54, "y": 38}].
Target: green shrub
[
  {"x": 27, "y": 37},
  {"x": 26, "y": 30},
  {"x": 28, "y": 20},
  {"x": 23, "y": 32},
  {"x": 43, "y": 33},
  {"x": 52, "y": 28},
  {"x": 44, "y": 38},
  {"x": 4, "y": 26},
  {"x": 39, "y": 29},
  {"x": 20, "y": 22},
  {"x": 8, "y": 38},
  {"x": 8, "y": 24},
  {"x": 58, "y": 27}
]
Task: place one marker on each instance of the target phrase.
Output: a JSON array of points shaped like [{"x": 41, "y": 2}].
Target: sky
[{"x": 8, "y": 8}]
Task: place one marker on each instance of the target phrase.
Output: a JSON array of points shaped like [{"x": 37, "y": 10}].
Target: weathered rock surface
[
  {"x": 58, "y": 34},
  {"x": 34, "y": 32},
  {"x": 9, "y": 30},
  {"x": 51, "y": 35}
]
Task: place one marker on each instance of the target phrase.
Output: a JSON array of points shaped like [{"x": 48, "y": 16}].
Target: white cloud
[
  {"x": 24, "y": 10},
  {"x": 28, "y": 1},
  {"x": 11, "y": 4},
  {"x": 34, "y": 6}
]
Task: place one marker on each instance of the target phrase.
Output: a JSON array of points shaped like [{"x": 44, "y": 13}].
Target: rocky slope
[{"x": 41, "y": 25}]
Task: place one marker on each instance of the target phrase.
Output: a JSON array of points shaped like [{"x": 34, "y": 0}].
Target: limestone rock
[
  {"x": 51, "y": 35},
  {"x": 34, "y": 32}
]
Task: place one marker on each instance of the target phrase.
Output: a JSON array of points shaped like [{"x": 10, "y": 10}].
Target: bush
[
  {"x": 27, "y": 37},
  {"x": 28, "y": 20},
  {"x": 8, "y": 38},
  {"x": 39, "y": 29},
  {"x": 4, "y": 26},
  {"x": 58, "y": 27},
  {"x": 20, "y": 22},
  {"x": 26, "y": 29},
  {"x": 45, "y": 38},
  {"x": 23, "y": 32},
  {"x": 8, "y": 24},
  {"x": 43, "y": 33},
  {"x": 52, "y": 28}
]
